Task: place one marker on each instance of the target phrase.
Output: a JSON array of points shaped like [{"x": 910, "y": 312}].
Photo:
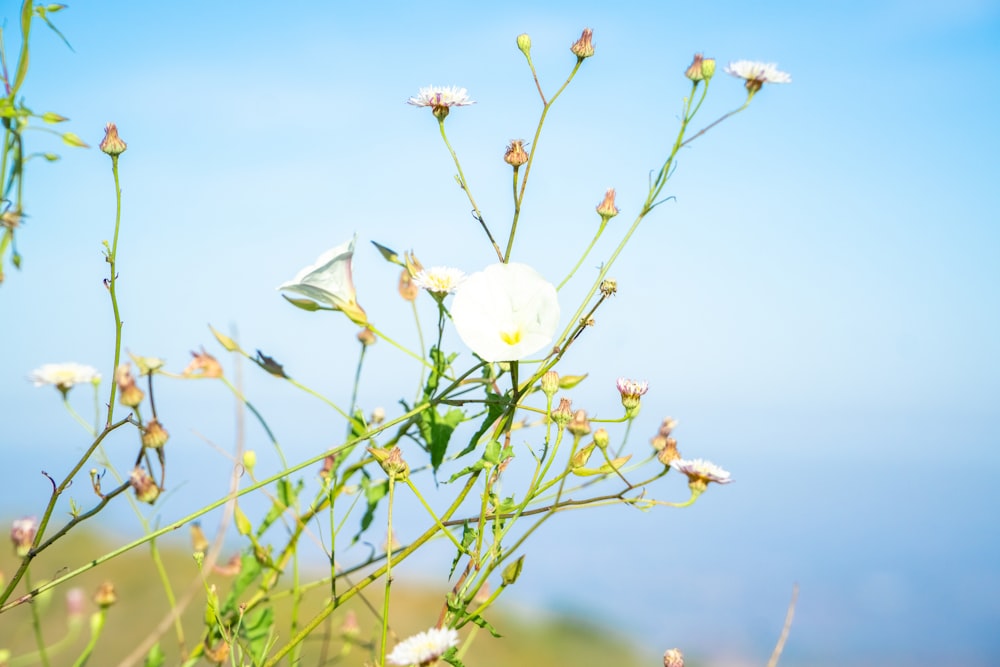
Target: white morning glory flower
[
  {"x": 424, "y": 647},
  {"x": 328, "y": 282},
  {"x": 505, "y": 312},
  {"x": 64, "y": 376},
  {"x": 440, "y": 279}
]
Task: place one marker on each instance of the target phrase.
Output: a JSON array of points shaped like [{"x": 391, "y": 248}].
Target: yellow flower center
[{"x": 511, "y": 337}]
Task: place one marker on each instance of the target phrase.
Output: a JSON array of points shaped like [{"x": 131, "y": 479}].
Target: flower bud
[
  {"x": 601, "y": 438},
  {"x": 524, "y": 44},
  {"x": 154, "y": 436},
  {"x": 366, "y": 337},
  {"x": 22, "y": 534},
  {"x": 144, "y": 486},
  {"x": 579, "y": 426},
  {"x": 391, "y": 461},
  {"x": 515, "y": 155},
  {"x": 105, "y": 595},
  {"x": 199, "y": 543},
  {"x": 583, "y": 47},
  {"x": 130, "y": 395},
  {"x": 607, "y": 209},
  {"x": 563, "y": 414},
  {"x": 112, "y": 144},
  {"x": 203, "y": 365},
  {"x": 609, "y": 287},
  {"x": 512, "y": 571},
  {"x": 701, "y": 69},
  {"x": 249, "y": 459},
  {"x": 550, "y": 383},
  {"x": 350, "y": 628},
  {"x": 378, "y": 416},
  {"x": 673, "y": 658},
  {"x": 668, "y": 453},
  {"x": 407, "y": 288}
]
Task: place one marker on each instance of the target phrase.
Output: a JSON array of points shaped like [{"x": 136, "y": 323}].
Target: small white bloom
[
  {"x": 441, "y": 96},
  {"x": 328, "y": 281},
  {"x": 758, "y": 72},
  {"x": 441, "y": 279},
  {"x": 64, "y": 376},
  {"x": 701, "y": 470},
  {"x": 423, "y": 647},
  {"x": 505, "y": 312},
  {"x": 632, "y": 388}
]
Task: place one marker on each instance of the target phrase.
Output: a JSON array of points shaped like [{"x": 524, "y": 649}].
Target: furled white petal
[{"x": 328, "y": 280}]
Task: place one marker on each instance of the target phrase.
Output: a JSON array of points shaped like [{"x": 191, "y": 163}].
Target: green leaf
[
  {"x": 496, "y": 405},
  {"x": 437, "y": 430},
  {"x": 389, "y": 254},
  {"x": 70, "y": 139},
  {"x": 483, "y": 623},
  {"x": 270, "y": 365},
  {"x": 257, "y": 630},
  {"x": 304, "y": 304},
  {"x": 156, "y": 657},
  {"x": 250, "y": 569},
  {"x": 451, "y": 657}
]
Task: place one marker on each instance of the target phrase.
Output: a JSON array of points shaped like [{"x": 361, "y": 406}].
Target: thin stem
[
  {"x": 112, "y": 258},
  {"x": 388, "y": 572},
  {"x": 569, "y": 276},
  {"x": 354, "y": 590},
  {"x": 465, "y": 188},
  {"x": 174, "y": 525},
  {"x": 531, "y": 156},
  {"x": 36, "y": 626}
]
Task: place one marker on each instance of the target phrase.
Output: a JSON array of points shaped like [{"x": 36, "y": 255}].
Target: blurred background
[{"x": 817, "y": 306}]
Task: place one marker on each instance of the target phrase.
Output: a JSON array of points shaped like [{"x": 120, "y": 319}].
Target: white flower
[
  {"x": 632, "y": 388},
  {"x": 64, "y": 376},
  {"x": 441, "y": 279},
  {"x": 424, "y": 647},
  {"x": 505, "y": 312},
  {"x": 441, "y": 96},
  {"x": 328, "y": 281},
  {"x": 701, "y": 470},
  {"x": 757, "y": 73}
]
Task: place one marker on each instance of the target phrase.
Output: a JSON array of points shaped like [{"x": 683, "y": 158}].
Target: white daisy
[
  {"x": 440, "y": 97},
  {"x": 701, "y": 470},
  {"x": 757, "y": 74},
  {"x": 423, "y": 648},
  {"x": 440, "y": 279},
  {"x": 64, "y": 376}
]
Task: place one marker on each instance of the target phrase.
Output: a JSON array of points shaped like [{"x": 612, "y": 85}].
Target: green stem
[
  {"x": 354, "y": 590},
  {"x": 36, "y": 625},
  {"x": 76, "y": 415},
  {"x": 600, "y": 230},
  {"x": 465, "y": 188},
  {"x": 531, "y": 156},
  {"x": 388, "y": 572},
  {"x": 112, "y": 282},
  {"x": 180, "y": 523}
]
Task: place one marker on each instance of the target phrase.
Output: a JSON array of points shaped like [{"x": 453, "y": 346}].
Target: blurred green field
[{"x": 528, "y": 639}]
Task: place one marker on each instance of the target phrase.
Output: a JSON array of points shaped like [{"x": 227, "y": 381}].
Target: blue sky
[{"x": 817, "y": 307}]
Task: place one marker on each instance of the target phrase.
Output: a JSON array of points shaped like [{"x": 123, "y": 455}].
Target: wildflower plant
[{"x": 470, "y": 415}]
